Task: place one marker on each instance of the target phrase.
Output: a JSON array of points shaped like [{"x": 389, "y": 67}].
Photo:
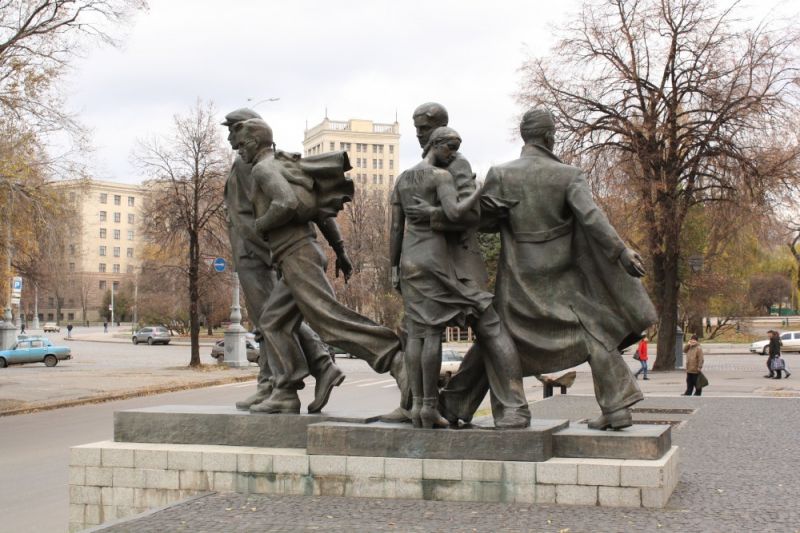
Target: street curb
[{"x": 102, "y": 398}]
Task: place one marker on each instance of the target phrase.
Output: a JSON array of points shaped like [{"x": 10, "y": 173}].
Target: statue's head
[
  {"x": 538, "y": 125},
  {"x": 443, "y": 144},
  {"x": 233, "y": 118},
  {"x": 427, "y": 118},
  {"x": 251, "y": 136}
]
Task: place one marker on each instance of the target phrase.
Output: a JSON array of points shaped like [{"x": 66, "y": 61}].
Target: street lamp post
[
  {"x": 8, "y": 331},
  {"x": 271, "y": 99},
  {"x": 35, "y": 306}
]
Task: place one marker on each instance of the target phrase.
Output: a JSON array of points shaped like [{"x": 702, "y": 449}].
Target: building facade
[
  {"x": 373, "y": 149},
  {"x": 102, "y": 251}
]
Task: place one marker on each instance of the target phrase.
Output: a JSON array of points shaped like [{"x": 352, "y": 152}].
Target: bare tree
[
  {"x": 184, "y": 209},
  {"x": 683, "y": 100}
]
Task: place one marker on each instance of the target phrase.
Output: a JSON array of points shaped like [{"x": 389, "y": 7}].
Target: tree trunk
[
  {"x": 668, "y": 308},
  {"x": 194, "y": 297}
]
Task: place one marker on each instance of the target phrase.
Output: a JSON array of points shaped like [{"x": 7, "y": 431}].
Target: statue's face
[
  {"x": 445, "y": 153},
  {"x": 232, "y": 137},
  {"x": 247, "y": 147},
  {"x": 424, "y": 126}
]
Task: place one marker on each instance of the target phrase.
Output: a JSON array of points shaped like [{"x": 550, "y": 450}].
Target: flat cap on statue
[
  {"x": 240, "y": 115},
  {"x": 537, "y": 118}
]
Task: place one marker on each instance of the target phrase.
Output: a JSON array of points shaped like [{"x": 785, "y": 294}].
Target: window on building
[
  {"x": 374, "y": 179},
  {"x": 101, "y": 267},
  {"x": 72, "y": 267},
  {"x": 49, "y": 316},
  {"x": 71, "y": 302},
  {"x": 130, "y": 234},
  {"x": 374, "y": 148},
  {"x": 391, "y": 164},
  {"x": 374, "y": 164},
  {"x": 358, "y": 147},
  {"x": 131, "y": 201},
  {"x": 130, "y": 252},
  {"x": 102, "y": 233},
  {"x": 130, "y": 218},
  {"x": 102, "y": 251},
  {"x": 117, "y": 233},
  {"x": 380, "y": 179},
  {"x": 71, "y": 249},
  {"x": 391, "y": 180},
  {"x": 116, "y": 251},
  {"x": 117, "y": 199},
  {"x": 391, "y": 149},
  {"x": 380, "y": 163},
  {"x": 380, "y": 148},
  {"x": 117, "y": 217},
  {"x": 116, "y": 285},
  {"x": 103, "y": 198},
  {"x": 116, "y": 271},
  {"x": 102, "y": 285},
  {"x": 70, "y": 316},
  {"x": 103, "y": 215}
]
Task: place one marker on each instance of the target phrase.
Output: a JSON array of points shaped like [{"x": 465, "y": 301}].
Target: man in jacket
[
  {"x": 694, "y": 364},
  {"x": 253, "y": 263},
  {"x": 567, "y": 286}
]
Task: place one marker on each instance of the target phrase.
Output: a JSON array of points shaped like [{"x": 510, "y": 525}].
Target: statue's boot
[
  {"x": 416, "y": 409},
  {"x": 398, "y": 372},
  {"x": 330, "y": 378},
  {"x": 621, "y": 418},
  {"x": 513, "y": 419},
  {"x": 281, "y": 401},
  {"x": 429, "y": 415},
  {"x": 263, "y": 392}
]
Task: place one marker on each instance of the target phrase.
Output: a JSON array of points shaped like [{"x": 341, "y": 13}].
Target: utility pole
[
  {"x": 35, "y": 324},
  {"x": 112, "y": 304},
  {"x": 8, "y": 332}
]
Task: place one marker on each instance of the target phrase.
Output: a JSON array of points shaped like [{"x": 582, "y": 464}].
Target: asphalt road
[{"x": 34, "y": 448}]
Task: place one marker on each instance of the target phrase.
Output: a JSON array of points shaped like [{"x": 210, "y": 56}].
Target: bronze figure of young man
[
  {"x": 253, "y": 263},
  {"x": 286, "y": 200}
]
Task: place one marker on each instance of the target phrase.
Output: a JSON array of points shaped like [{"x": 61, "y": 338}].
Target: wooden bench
[{"x": 564, "y": 381}]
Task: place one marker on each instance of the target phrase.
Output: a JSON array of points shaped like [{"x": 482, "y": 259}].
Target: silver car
[{"x": 152, "y": 335}]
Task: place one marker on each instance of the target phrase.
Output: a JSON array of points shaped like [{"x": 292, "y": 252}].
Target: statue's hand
[
  {"x": 396, "y": 278},
  {"x": 344, "y": 265},
  {"x": 421, "y": 211},
  {"x": 632, "y": 262}
]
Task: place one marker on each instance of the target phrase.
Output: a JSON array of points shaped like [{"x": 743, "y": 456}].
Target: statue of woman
[{"x": 423, "y": 271}]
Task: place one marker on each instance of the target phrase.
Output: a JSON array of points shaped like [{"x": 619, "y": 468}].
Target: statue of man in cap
[
  {"x": 568, "y": 287},
  {"x": 253, "y": 263},
  {"x": 288, "y": 193}
]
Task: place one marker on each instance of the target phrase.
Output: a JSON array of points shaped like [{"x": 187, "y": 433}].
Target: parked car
[
  {"x": 51, "y": 327},
  {"x": 336, "y": 351},
  {"x": 790, "y": 342},
  {"x": 451, "y": 361},
  {"x": 152, "y": 335},
  {"x": 251, "y": 347},
  {"x": 34, "y": 350}
]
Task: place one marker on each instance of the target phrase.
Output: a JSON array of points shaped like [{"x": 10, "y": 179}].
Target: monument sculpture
[
  {"x": 567, "y": 286},
  {"x": 433, "y": 294},
  {"x": 288, "y": 193},
  {"x": 253, "y": 263}
]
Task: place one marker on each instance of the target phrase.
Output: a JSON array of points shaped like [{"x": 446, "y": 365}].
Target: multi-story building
[
  {"x": 373, "y": 148},
  {"x": 102, "y": 250}
]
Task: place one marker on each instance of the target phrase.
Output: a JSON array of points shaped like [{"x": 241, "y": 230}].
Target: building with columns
[{"x": 373, "y": 149}]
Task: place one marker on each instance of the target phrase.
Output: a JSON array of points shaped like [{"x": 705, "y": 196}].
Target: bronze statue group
[{"x": 567, "y": 287}]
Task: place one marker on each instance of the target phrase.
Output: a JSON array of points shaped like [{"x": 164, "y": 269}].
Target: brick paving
[{"x": 739, "y": 473}]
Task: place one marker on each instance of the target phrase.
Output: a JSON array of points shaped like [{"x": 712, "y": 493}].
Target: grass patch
[
  {"x": 202, "y": 368},
  {"x": 731, "y": 336}
]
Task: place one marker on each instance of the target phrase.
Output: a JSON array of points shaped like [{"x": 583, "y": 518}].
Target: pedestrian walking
[
  {"x": 22, "y": 329},
  {"x": 105, "y": 327},
  {"x": 774, "y": 351},
  {"x": 641, "y": 350},
  {"x": 708, "y": 324},
  {"x": 694, "y": 365},
  {"x": 69, "y": 330}
]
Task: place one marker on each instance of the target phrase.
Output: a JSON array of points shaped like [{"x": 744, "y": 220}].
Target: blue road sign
[
  {"x": 219, "y": 264},
  {"x": 17, "y": 283}
]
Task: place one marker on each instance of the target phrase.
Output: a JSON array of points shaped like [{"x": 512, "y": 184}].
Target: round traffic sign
[{"x": 219, "y": 264}]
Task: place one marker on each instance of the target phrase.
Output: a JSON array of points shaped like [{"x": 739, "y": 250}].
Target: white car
[{"x": 790, "y": 342}]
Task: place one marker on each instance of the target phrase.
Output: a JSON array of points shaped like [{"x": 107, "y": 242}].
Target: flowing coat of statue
[
  {"x": 288, "y": 193},
  {"x": 567, "y": 286},
  {"x": 433, "y": 294}
]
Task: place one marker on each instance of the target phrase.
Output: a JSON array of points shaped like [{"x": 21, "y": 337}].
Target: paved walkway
[{"x": 739, "y": 472}]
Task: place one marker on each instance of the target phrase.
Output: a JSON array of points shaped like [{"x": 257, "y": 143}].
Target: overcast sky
[{"x": 359, "y": 59}]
